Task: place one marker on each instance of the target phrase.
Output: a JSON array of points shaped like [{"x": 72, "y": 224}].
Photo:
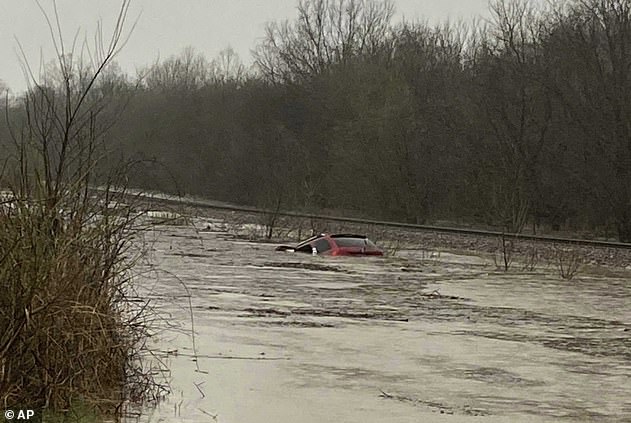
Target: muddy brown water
[{"x": 282, "y": 337}]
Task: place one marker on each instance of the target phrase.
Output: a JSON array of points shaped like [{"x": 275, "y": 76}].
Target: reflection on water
[{"x": 292, "y": 338}]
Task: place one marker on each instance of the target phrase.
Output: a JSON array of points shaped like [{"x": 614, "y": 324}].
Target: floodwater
[{"x": 415, "y": 337}]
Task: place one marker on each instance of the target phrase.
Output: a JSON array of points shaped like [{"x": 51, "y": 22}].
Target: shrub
[{"x": 69, "y": 331}]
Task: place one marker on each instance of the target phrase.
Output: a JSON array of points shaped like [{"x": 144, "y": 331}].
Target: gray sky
[{"x": 166, "y": 27}]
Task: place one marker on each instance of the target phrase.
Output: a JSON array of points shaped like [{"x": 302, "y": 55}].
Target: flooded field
[{"x": 415, "y": 337}]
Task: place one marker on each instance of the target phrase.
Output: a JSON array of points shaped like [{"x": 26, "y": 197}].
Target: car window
[
  {"x": 353, "y": 242},
  {"x": 305, "y": 248},
  {"x": 321, "y": 245}
]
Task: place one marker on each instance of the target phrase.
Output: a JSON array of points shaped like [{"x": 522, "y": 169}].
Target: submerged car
[{"x": 336, "y": 245}]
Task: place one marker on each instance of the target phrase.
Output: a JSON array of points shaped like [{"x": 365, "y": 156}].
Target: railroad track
[{"x": 200, "y": 203}]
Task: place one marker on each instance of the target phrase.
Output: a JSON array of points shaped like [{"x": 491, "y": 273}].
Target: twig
[
  {"x": 213, "y": 416},
  {"x": 197, "y": 385},
  {"x": 385, "y": 394},
  {"x": 229, "y": 357}
]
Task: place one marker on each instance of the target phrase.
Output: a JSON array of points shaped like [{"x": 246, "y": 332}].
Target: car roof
[{"x": 325, "y": 235}]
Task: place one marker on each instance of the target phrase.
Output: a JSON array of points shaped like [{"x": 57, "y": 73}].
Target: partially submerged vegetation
[{"x": 72, "y": 335}]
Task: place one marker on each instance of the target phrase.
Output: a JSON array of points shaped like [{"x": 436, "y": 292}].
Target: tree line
[{"x": 519, "y": 123}]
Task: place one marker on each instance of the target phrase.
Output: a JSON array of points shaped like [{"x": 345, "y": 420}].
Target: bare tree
[
  {"x": 516, "y": 110},
  {"x": 184, "y": 72},
  {"x": 228, "y": 67},
  {"x": 326, "y": 32},
  {"x": 590, "y": 55}
]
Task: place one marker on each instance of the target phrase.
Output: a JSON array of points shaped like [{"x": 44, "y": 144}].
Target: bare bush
[
  {"x": 390, "y": 247},
  {"x": 568, "y": 261},
  {"x": 71, "y": 329},
  {"x": 503, "y": 257},
  {"x": 271, "y": 218},
  {"x": 531, "y": 258}
]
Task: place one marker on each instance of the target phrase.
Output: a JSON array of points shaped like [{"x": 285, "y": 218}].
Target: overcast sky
[{"x": 165, "y": 27}]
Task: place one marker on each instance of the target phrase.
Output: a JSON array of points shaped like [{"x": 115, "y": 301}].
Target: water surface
[{"x": 283, "y": 337}]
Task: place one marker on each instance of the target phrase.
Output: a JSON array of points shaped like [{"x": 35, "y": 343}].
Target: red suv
[{"x": 336, "y": 245}]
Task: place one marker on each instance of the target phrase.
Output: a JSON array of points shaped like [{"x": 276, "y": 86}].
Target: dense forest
[{"x": 521, "y": 122}]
